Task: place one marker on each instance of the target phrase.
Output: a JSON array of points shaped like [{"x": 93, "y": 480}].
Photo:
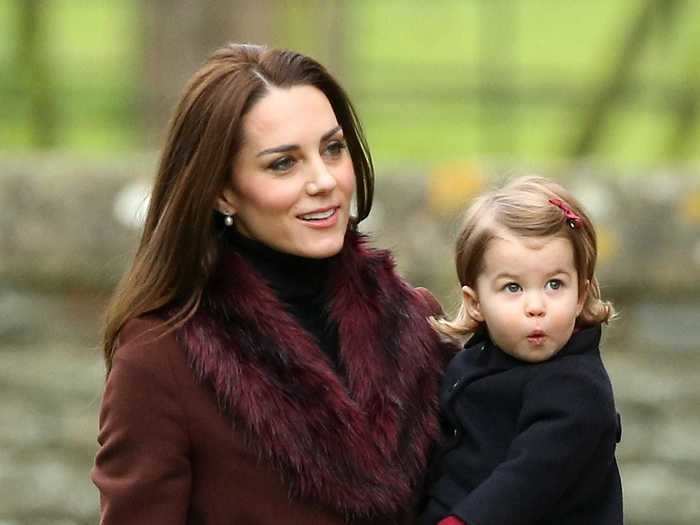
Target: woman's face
[{"x": 293, "y": 178}]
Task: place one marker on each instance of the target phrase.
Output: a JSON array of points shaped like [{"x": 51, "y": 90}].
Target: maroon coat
[{"x": 239, "y": 418}]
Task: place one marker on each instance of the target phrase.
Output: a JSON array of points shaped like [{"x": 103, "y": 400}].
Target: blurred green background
[
  {"x": 536, "y": 80},
  {"x": 453, "y": 94}
]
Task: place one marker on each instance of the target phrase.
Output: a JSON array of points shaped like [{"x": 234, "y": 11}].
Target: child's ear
[
  {"x": 471, "y": 304},
  {"x": 582, "y": 296}
]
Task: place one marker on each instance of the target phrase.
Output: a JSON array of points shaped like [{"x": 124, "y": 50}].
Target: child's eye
[
  {"x": 512, "y": 287},
  {"x": 335, "y": 148},
  {"x": 554, "y": 284},
  {"x": 282, "y": 164}
]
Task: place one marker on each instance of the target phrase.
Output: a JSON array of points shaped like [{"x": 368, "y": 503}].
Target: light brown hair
[
  {"x": 179, "y": 245},
  {"x": 523, "y": 207}
]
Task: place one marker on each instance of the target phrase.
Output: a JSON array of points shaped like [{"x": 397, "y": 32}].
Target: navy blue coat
[{"x": 527, "y": 443}]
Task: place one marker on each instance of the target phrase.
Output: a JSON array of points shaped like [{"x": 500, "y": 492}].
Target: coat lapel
[{"x": 357, "y": 444}]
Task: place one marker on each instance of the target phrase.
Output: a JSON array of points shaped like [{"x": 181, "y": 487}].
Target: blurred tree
[
  {"x": 681, "y": 141},
  {"x": 328, "y": 21},
  {"x": 179, "y": 35},
  {"x": 33, "y": 65},
  {"x": 639, "y": 33},
  {"x": 498, "y": 92}
]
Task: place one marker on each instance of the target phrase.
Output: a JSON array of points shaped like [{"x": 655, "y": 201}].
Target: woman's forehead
[{"x": 288, "y": 116}]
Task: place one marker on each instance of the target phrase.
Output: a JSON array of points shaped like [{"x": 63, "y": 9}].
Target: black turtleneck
[{"x": 300, "y": 284}]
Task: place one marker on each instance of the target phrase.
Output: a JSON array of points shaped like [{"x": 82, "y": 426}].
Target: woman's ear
[
  {"x": 471, "y": 304},
  {"x": 226, "y": 202},
  {"x": 582, "y": 296}
]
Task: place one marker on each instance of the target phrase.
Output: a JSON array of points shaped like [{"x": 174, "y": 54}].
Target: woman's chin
[
  {"x": 320, "y": 243},
  {"x": 323, "y": 248}
]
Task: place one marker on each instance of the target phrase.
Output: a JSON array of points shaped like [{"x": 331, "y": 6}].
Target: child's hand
[{"x": 451, "y": 520}]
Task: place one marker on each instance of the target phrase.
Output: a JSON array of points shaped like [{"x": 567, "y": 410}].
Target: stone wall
[
  {"x": 67, "y": 226},
  {"x": 67, "y": 231}
]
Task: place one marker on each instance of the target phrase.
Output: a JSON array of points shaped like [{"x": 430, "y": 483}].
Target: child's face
[{"x": 527, "y": 295}]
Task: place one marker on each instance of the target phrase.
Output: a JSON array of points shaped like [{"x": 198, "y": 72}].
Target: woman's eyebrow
[
  {"x": 330, "y": 133},
  {"x": 290, "y": 147}
]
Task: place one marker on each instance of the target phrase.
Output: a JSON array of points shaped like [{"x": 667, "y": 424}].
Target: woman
[{"x": 264, "y": 364}]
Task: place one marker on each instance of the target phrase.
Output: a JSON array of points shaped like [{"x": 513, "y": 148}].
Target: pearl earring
[{"x": 228, "y": 220}]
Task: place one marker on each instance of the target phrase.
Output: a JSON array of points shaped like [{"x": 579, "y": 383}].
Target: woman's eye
[
  {"x": 512, "y": 287},
  {"x": 282, "y": 164},
  {"x": 335, "y": 148},
  {"x": 554, "y": 284}
]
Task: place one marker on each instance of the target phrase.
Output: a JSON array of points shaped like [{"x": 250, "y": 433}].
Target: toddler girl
[{"x": 528, "y": 409}]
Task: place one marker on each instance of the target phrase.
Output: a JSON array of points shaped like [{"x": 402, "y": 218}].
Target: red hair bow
[{"x": 572, "y": 219}]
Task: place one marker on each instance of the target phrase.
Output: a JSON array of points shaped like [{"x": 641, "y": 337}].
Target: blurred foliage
[
  {"x": 433, "y": 81},
  {"x": 517, "y": 78},
  {"x": 92, "y": 50}
]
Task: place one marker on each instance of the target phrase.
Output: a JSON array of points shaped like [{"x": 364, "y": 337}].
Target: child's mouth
[{"x": 536, "y": 337}]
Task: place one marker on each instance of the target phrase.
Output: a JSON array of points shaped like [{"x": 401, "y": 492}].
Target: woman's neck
[
  {"x": 299, "y": 282},
  {"x": 293, "y": 277}
]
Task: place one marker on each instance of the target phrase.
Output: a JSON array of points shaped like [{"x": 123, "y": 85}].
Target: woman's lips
[{"x": 324, "y": 218}]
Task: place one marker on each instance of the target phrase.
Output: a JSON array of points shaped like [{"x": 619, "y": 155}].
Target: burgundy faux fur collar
[{"x": 356, "y": 444}]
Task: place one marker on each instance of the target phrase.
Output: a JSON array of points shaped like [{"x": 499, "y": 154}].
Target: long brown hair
[
  {"x": 523, "y": 207},
  {"x": 179, "y": 246}
]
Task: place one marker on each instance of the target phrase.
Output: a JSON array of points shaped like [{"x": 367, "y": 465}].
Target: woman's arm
[{"x": 142, "y": 468}]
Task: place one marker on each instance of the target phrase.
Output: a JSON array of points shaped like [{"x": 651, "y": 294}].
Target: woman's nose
[{"x": 321, "y": 179}]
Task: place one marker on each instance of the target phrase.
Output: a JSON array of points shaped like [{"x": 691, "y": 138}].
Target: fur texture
[{"x": 356, "y": 443}]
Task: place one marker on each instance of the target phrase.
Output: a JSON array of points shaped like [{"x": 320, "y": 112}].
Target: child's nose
[{"x": 535, "y": 305}]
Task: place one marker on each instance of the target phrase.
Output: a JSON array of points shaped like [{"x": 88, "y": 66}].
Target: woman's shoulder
[
  {"x": 138, "y": 326},
  {"x": 429, "y": 300},
  {"x": 147, "y": 342}
]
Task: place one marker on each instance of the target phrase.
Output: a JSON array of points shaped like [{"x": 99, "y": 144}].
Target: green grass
[{"x": 414, "y": 69}]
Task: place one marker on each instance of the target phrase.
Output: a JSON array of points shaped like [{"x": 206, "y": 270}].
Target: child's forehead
[{"x": 508, "y": 252}]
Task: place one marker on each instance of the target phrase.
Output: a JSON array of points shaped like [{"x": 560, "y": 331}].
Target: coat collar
[
  {"x": 481, "y": 357},
  {"x": 582, "y": 340},
  {"x": 356, "y": 444}
]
